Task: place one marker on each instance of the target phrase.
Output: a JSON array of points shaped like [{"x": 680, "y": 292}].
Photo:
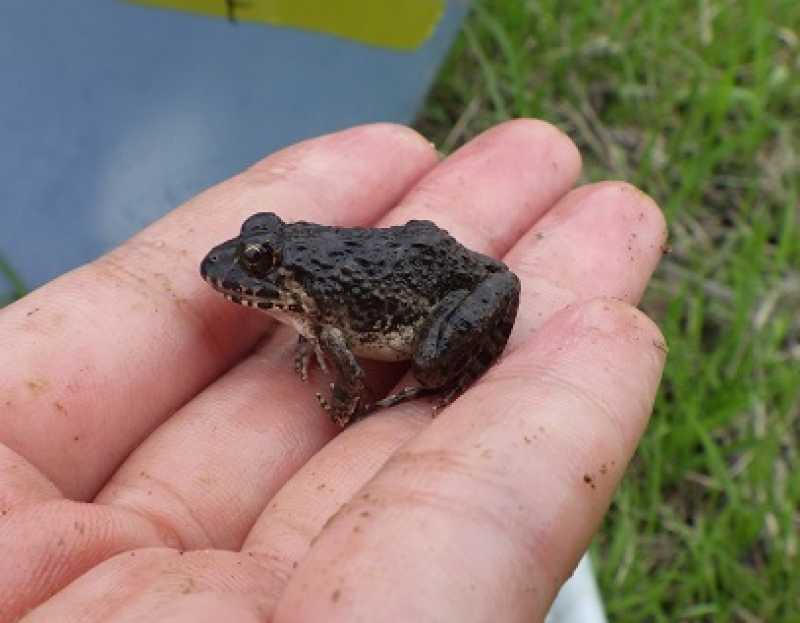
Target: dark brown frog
[{"x": 410, "y": 292}]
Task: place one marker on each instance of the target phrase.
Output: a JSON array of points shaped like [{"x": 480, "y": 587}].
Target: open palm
[{"x": 162, "y": 461}]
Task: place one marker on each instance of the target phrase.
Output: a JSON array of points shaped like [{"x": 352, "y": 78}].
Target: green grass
[
  {"x": 698, "y": 104},
  {"x": 11, "y": 285}
]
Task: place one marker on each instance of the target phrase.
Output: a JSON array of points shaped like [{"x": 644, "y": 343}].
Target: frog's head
[{"x": 247, "y": 269}]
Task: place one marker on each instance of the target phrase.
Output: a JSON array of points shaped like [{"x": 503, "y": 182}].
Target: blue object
[{"x": 112, "y": 114}]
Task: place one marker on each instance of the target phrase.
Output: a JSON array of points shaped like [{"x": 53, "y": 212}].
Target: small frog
[{"x": 410, "y": 292}]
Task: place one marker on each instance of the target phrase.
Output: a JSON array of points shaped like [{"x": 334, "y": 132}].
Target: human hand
[{"x": 159, "y": 462}]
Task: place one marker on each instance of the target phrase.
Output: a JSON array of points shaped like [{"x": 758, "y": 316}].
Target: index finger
[{"x": 96, "y": 359}]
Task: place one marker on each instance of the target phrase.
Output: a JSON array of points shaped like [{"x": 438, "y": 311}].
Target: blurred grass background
[
  {"x": 696, "y": 102},
  {"x": 11, "y": 286}
]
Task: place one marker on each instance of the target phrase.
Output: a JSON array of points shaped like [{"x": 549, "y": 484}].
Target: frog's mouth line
[{"x": 245, "y": 299}]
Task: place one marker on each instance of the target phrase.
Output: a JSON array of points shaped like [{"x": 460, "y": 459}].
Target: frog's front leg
[
  {"x": 307, "y": 348},
  {"x": 349, "y": 393},
  {"x": 464, "y": 335}
]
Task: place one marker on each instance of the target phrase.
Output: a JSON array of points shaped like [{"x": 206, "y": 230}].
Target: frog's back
[{"x": 382, "y": 278}]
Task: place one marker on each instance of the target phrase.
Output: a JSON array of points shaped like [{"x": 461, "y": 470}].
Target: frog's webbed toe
[{"x": 343, "y": 407}]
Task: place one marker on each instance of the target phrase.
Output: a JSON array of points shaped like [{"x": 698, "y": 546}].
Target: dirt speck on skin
[
  {"x": 364, "y": 514},
  {"x": 604, "y": 469},
  {"x": 76, "y": 438},
  {"x": 166, "y": 285},
  {"x": 336, "y": 595},
  {"x": 295, "y": 564},
  {"x": 188, "y": 587},
  {"x": 587, "y": 478},
  {"x": 32, "y": 312},
  {"x": 37, "y": 386},
  {"x": 527, "y": 439},
  {"x": 60, "y": 407},
  {"x": 321, "y": 486}
]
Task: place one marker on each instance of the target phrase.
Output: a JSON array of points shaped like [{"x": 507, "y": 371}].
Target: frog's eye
[{"x": 257, "y": 258}]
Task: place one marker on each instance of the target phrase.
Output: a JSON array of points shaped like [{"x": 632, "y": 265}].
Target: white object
[{"x": 578, "y": 601}]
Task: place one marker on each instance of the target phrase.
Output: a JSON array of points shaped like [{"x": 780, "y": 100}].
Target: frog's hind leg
[
  {"x": 466, "y": 336},
  {"x": 443, "y": 309}
]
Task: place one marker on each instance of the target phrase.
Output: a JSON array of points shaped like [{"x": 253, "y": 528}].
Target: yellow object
[{"x": 399, "y": 24}]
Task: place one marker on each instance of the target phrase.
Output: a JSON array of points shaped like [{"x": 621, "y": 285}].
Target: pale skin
[{"x": 161, "y": 460}]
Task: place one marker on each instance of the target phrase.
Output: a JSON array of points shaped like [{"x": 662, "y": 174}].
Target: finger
[
  {"x": 489, "y": 192},
  {"x": 601, "y": 240},
  {"x": 619, "y": 229},
  {"x": 484, "y": 514},
  {"x": 46, "y": 541},
  {"x": 96, "y": 359},
  {"x": 162, "y": 585},
  {"x": 241, "y": 455},
  {"x": 209, "y": 471}
]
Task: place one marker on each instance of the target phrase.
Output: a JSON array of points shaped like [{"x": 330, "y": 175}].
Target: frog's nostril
[{"x": 213, "y": 258}]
